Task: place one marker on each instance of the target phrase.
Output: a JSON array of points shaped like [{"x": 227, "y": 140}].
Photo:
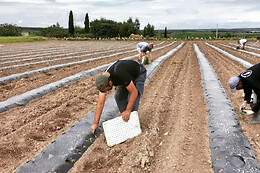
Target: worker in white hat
[
  {"x": 248, "y": 80},
  {"x": 142, "y": 49},
  {"x": 242, "y": 43}
]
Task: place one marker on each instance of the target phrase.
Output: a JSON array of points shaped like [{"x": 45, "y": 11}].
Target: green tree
[
  {"x": 136, "y": 26},
  {"x": 87, "y": 29},
  {"x": 54, "y": 31},
  {"x": 130, "y": 20},
  {"x": 149, "y": 30},
  {"x": 165, "y": 32},
  {"x": 71, "y": 24},
  {"x": 104, "y": 28},
  {"x": 10, "y": 30},
  {"x": 126, "y": 29},
  {"x": 79, "y": 30}
]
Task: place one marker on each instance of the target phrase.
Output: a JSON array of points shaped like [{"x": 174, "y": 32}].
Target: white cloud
[
  {"x": 24, "y": 1},
  {"x": 177, "y": 14}
]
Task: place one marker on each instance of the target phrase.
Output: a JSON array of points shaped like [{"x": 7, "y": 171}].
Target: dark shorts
[{"x": 122, "y": 94}]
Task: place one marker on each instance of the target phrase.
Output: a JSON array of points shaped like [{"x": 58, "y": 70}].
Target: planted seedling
[{"x": 242, "y": 113}]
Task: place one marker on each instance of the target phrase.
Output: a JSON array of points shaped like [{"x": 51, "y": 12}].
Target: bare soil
[
  {"x": 226, "y": 68},
  {"x": 42, "y": 120},
  {"x": 24, "y": 84},
  {"x": 173, "y": 118},
  {"x": 172, "y": 113}
]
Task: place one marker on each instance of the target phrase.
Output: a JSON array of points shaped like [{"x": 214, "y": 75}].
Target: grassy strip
[{"x": 20, "y": 39}]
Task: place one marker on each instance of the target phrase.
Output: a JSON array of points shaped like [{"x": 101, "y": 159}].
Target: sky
[{"x": 173, "y": 14}]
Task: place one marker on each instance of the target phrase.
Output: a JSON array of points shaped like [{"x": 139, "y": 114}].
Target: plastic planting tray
[{"x": 117, "y": 130}]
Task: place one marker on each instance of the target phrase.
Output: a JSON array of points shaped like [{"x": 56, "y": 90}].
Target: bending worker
[
  {"x": 129, "y": 78},
  {"x": 143, "y": 48},
  {"x": 248, "y": 80},
  {"x": 242, "y": 43}
]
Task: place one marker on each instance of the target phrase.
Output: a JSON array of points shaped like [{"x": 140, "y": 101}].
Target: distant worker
[
  {"x": 142, "y": 49},
  {"x": 242, "y": 43},
  {"x": 248, "y": 80},
  {"x": 129, "y": 78}
]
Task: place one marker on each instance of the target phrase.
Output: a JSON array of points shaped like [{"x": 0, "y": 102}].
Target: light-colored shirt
[
  {"x": 143, "y": 46},
  {"x": 242, "y": 41}
]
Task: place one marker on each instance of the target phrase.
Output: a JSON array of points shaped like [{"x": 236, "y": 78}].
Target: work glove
[{"x": 243, "y": 105}]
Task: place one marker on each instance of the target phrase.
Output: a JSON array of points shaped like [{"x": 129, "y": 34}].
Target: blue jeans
[{"x": 122, "y": 94}]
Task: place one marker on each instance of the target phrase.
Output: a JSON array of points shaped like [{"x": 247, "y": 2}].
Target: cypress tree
[
  {"x": 136, "y": 26},
  {"x": 71, "y": 25},
  {"x": 165, "y": 32},
  {"x": 86, "y": 23}
]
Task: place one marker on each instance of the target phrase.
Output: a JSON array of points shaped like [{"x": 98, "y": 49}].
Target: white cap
[{"x": 233, "y": 82}]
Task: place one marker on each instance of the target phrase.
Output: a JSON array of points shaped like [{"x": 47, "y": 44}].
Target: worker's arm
[
  {"x": 133, "y": 94},
  {"x": 99, "y": 109},
  {"x": 140, "y": 55},
  {"x": 150, "y": 55}
]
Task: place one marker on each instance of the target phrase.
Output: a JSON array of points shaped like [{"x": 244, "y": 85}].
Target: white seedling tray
[
  {"x": 248, "y": 112},
  {"x": 118, "y": 131}
]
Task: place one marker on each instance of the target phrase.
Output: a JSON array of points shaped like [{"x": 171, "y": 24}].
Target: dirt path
[
  {"x": 247, "y": 57},
  {"x": 173, "y": 118},
  {"x": 42, "y": 120},
  {"x": 226, "y": 68},
  {"x": 24, "y": 84},
  {"x": 172, "y": 113}
]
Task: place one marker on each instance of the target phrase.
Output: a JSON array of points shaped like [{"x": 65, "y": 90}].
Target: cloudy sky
[{"x": 173, "y": 14}]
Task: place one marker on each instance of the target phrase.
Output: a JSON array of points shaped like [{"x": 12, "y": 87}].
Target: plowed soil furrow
[
  {"x": 247, "y": 57},
  {"x": 235, "y": 44},
  {"x": 8, "y": 72},
  {"x": 37, "y": 58},
  {"x": 37, "y": 54},
  {"x": 53, "y": 52},
  {"x": 226, "y": 68},
  {"x": 220, "y": 59},
  {"x": 37, "y": 80},
  {"x": 173, "y": 113},
  {"x": 16, "y": 48},
  {"x": 42, "y": 120},
  {"x": 31, "y": 116},
  {"x": 63, "y": 60},
  {"x": 173, "y": 118}
]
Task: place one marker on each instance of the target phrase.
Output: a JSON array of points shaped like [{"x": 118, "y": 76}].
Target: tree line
[
  {"x": 109, "y": 28},
  {"x": 99, "y": 28}
]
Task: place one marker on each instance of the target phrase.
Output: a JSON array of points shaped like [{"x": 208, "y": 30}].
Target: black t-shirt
[
  {"x": 251, "y": 81},
  {"x": 123, "y": 72}
]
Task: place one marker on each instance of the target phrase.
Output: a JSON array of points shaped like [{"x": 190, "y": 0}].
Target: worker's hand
[
  {"x": 126, "y": 115},
  {"x": 94, "y": 128},
  {"x": 243, "y": 105}
]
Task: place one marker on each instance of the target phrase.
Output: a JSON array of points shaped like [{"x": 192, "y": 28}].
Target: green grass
[{"x": 20, "y": 39}]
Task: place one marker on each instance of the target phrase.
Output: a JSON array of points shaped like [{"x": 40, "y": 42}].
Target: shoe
[
  {"x": 252, "y": 105},
  {"x": 256, "y": 118}
]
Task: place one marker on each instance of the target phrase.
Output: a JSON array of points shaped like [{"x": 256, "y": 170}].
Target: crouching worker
[
  {"x": 128, "y": 77},
  {"x": 142, "y": 49},
  {"x": 248, "y": 80},
  {"x": 242, "y": 43}
]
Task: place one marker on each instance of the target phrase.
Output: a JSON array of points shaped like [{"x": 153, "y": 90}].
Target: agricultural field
[{"x": 47, "y": 87}]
